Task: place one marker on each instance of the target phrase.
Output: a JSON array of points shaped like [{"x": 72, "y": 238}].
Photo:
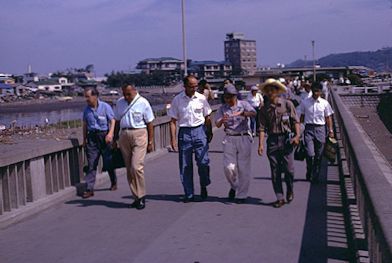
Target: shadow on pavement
[
  {"x": 324, "y": 237},
  {"x": 92, "y": 202}
]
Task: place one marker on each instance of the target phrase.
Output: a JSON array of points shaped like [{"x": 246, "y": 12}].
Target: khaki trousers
[
  {"x": 133, "y": 146},
  {"x": 237, "y": 163}
]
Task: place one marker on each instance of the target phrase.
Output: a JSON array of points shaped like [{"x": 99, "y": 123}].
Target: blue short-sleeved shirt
[{"x": 99, "y": 118}]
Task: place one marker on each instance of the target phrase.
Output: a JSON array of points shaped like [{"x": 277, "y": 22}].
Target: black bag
[
  {"x": 117, "y": 159},
  {"x": 300, "y": 152},
  {"x": 330, "y": 149}
]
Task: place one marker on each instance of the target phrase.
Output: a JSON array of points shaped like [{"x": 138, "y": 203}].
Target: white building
[{"x": 160, "y": 64}]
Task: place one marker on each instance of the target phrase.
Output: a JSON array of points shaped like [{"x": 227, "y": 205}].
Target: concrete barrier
[{"x": 373, "y": 192}]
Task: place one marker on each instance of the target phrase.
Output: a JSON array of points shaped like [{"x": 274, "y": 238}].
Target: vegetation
[{"x": 117, "y": 79}]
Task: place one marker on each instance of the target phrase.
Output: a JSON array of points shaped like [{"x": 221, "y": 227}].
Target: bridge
[{"x": 345, "y": 218}]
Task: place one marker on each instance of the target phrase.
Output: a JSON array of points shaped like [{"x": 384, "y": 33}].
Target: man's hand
[
  {"x": 260, "y": 150},
  {"x": 109, "y": 138},
  {"x": 150, "y": 147},
  {"x": 295, "y": 140},
  {"x": 174, "y": 145},
  {"x": 331, "y": 134}
]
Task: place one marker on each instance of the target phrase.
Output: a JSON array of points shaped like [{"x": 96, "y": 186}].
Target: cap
[{"x": 230, "y": 90}]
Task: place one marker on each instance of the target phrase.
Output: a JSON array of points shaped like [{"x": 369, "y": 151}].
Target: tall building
[
  {"x": 166, "y": 64},
  {"x": 241, "y": 53}
]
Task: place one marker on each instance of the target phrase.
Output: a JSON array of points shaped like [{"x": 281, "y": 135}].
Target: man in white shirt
[
  {"x": 134, "y": 117},
  {"x": 255, "y": 100},
  {"x": 191, "y": 112},
  {"x": 325, "y": 90},
  {"x": 315, "y": 112}
]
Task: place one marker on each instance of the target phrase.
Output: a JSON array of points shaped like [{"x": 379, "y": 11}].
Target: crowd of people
[{"x": 284, "y": 111}]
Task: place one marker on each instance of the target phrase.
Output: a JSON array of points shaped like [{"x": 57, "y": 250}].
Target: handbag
[
  {"x": 330, "y": 149},
  {"x": 117, "y": 159},
  {"x": 300, "y": 152}
]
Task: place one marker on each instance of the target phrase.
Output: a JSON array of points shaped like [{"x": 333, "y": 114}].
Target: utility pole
[
  {"x": 314, "y": 62},
  {"x": 184, "y": 55}
]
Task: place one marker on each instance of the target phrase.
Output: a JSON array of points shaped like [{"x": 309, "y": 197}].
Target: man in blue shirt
[{"x": 98, "y": 131}]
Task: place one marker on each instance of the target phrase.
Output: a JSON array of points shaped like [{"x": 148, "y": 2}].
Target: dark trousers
[
  {"x": 193, "y": 140},
  {"x": 314, "y": 137},
  {"x": 254, "y": 121},
  {"x": 96, "y": 147},
  {"x": 281, "y": 158}
]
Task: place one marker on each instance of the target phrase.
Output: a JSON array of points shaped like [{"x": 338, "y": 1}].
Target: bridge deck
[{"x": 104, "y": 229}]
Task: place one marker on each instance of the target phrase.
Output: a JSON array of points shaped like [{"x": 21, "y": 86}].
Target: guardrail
[
  {"x": 373, "y": 193},
  {"x": 49, "y": 169}
]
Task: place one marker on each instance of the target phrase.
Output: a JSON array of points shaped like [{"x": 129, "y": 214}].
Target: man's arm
[
  {"x": 110, "y": 135},
  {"x": 208, "y": 125},
  {"x": 84, "y": 133},
  {"x": 173, "y": 133},
  {"x": 150, "y": 131},
  {"x": 261, "y": 143},
  {"x": 116, "y": 132},
  {"x": 330, "y": 126}
]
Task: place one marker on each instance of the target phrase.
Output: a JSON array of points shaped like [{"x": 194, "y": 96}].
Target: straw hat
[{"x": 273, "y": 83}]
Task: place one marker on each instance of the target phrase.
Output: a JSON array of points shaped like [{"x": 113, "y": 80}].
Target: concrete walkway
[{"x": 103, "y": 229}]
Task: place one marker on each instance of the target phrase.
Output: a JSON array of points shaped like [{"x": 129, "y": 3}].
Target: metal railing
[
  {"x": 49, "y": 169},
  {"x": 373, "y": 193}
]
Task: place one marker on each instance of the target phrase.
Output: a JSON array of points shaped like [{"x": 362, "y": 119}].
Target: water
[{"x": 39, "y": 118}]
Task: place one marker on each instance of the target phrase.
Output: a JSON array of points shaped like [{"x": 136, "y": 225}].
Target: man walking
[
  {"x": 315, "y": 113},
  {"x": 191, "y": 111},
  {"x": 255, "y": 100},
  {"x": 237, "y": 144},
  {"x": 279, "y": 119},
  {"x": 134, "y": 118},
  {"x": 98, "y": 130}
]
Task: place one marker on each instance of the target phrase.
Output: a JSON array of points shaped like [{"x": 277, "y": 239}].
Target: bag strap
[{"x": 129, "y": 107}]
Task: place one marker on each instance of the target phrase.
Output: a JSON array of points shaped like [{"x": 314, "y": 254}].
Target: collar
[
  {"x": 134, "y": 99},
  {"x": 98, "y": 104},
  {"x": 183, "y": 94},
  {"x": 316, "y": 100}
]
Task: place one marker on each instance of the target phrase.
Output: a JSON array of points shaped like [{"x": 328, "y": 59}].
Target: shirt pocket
[
  {"x": 137, "y": 117},
  {"x": 102, "y": 121},
  {"x": 198, "y": 108}
]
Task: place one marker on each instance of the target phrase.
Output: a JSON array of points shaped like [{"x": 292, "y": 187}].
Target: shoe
[
  {"x": 113, "y": 187},
  {"x": 135, "y": 203},
  {"x": 289, "y": 197},
  {"x": 88, "y": 194},
  {"x": 278, "y": 204},
  {"x": 141, "y": 204},
  {"x": 231, "y": 194},
  {"x": 188, "y": 199},
  {"x": 203, "y": 193},
  {"x": 240, "y": 200}
]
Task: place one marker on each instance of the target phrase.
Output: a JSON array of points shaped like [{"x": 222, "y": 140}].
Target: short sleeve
[
  {"x": 218, "y": 114},
  {"x": 262, "y": 119},
  {"x": 248, "y": 107},
  {"x": 301, "y": 108},
  {"x": 148, "y": 114},
  {"x": 293, "y": 112},
  {"x": 207, "y": 108},
  {"x": 328, "y": 110},
  {"x": 109, "y": 112},
  {"x": 173, "y": 110}
]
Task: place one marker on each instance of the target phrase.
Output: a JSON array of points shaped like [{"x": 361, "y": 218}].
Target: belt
[
  {"x": 314, "y": 125},
  {"x": 130, "y": 129},
  {"x": 96, "y": 131},
  {"x": 191, "y": 127},
  {"x": 238, "y": 134}
]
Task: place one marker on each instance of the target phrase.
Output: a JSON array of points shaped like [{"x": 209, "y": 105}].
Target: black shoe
[
  {"x": 113, "y": 187},
  {"x": 231, "y": 194},
  {"x": 203, "y": 193},
  {"x": 289, "y": 197},
  {"x": 135, "y": 203},
  {"x": 142, "y": 204},
  {"x": 188, "y": 199},
  {"x": 278, "y": 204},
  {"x": 240, "y": 200}
]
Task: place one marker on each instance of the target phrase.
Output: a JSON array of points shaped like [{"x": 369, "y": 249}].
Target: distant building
[
  {"x": 167, "y": 64},
  {"x": 48, "y": 86},
  {"x": 241, "y": 53},
  {"x": 6, "y": 89},
  {"x": 210, "y": 69}
]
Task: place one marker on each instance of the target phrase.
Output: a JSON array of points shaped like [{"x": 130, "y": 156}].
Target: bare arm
[
  {"x": 208, "y": 124},
  {"x": 261, "y": 143},
  {"x": 302, "y": 118},
  {"x": 110, "y": 135},
  {"x": 330, "y": 126},
  {"x": 173, "y": 133},
  {"x": 150, "y": 131}
]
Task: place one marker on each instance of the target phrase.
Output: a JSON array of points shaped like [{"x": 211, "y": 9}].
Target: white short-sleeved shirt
[
  {"x": 255, "y": 101},
  {"x": 189, "y": 112},
  {"x": 315, "y": 111},
  {"x": 137, "y": 117}
]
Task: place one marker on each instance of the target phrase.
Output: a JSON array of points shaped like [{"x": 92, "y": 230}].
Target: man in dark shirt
[{"x": 279, "y": 119}]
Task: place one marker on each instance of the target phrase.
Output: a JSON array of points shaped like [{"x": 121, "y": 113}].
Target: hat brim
[{"x": 277, "y": 84}]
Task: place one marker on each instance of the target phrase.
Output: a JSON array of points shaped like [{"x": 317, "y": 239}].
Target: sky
[{"x": 55, "y": 35}]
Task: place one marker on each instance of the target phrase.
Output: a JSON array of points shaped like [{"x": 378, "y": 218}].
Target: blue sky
[{"x": 115, "y": 34}]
